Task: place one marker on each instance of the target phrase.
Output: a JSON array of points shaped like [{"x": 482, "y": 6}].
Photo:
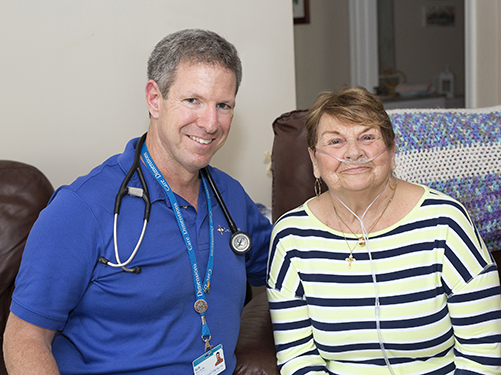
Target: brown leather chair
[{"x": 24, "y": 192}]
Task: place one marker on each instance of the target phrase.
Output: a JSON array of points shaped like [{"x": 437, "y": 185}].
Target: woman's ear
[
  {"x": 314, "y": 162},
  {"x": 153, "y": 98},
  {"x": 393, "y": 150}
]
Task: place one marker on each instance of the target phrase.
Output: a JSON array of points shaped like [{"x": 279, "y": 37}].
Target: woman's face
[{"x": 356, "y": 143}]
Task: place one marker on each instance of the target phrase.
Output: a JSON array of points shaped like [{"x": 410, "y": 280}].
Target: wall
[
  {"x": 322, "y": 50},
  {"x": 323, "y": 57},
  {"x": 422, "y": 53},
  {"x": 73, "y": 73},
  {"x": 485, "y": 78}
]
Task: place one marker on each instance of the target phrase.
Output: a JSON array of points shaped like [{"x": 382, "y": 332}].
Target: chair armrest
[{"x": 255, "y": 349}]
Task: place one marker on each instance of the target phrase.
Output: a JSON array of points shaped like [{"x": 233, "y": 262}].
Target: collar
[{"x": 125, "y": 161}]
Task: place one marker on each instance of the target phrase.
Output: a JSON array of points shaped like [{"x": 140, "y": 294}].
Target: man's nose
[{"x": 209, "y": 119}]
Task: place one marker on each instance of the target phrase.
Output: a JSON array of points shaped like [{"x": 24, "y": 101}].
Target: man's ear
[
  {"x": 153, "y": 98},
  {"x": 313, "y": 158}
]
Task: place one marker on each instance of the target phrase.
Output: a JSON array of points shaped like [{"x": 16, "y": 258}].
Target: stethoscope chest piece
[{"x": 240, "y": 242}]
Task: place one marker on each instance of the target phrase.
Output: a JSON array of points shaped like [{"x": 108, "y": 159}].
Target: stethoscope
[{"x": 240, "y": 241}]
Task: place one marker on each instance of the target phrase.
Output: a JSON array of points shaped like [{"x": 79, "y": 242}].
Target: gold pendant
[
  {"x": 350, "y": 260},
  {"x": 361, "y": 241}
]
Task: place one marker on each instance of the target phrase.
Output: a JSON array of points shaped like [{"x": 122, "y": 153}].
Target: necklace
[
  {"x": 350, "y": 258},
  {"x": 361, "y": 240}
]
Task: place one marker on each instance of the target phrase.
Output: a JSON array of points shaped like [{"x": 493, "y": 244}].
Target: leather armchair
[
  {"x": 24, "y": 192},
  {"x": 255, "y": 349}
]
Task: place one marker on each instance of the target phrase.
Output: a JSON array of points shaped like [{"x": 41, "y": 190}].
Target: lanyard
[{"x": 200, "y": 303}]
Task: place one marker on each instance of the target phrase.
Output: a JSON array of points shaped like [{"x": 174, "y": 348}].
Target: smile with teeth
[{"x": 200, "y": 140}]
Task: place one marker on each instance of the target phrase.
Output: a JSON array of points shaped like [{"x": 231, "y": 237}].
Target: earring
[
  {"x": 318, "y": 187},
  {"x": 393, "y": 186}
]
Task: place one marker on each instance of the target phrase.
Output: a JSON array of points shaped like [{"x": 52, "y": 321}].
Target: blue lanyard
[{"x": 199, "y": 291}]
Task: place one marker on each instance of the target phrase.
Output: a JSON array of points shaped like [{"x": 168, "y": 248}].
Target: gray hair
[{"x": 192, "y": 46}]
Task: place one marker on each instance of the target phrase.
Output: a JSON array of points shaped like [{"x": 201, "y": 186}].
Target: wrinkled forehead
[
  {"x": 189, "y": 68},
  {"x": 333, "y": 125}
]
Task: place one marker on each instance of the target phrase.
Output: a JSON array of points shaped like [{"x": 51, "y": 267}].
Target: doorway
[{"x": 415, "y": 42}]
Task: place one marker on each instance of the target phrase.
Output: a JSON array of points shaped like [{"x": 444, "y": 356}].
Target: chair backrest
[
  {"x": 24, "y": 192},
  {"x": 455, "y": 151},
  {"x": 292, "y": 172}
]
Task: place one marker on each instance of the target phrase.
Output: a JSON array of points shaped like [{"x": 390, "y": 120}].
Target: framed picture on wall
[
  {"x": 439, "y": 16},
  {"x": 301, "y": 11}
]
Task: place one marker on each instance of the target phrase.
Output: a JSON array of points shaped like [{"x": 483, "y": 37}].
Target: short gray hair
[{"x": 192, "y": 46}]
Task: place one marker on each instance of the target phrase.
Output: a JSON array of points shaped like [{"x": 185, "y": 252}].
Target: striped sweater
[{"x": 438, "y": 288}]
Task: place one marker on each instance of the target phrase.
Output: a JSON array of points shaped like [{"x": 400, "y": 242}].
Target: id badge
[{"x": 211, "y": 363}]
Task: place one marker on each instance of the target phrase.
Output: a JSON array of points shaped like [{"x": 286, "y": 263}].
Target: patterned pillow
[{"x": 459, "y": 153}]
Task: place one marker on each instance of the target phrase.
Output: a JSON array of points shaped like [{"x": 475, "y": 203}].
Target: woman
[{"x": 378, "y": 275}]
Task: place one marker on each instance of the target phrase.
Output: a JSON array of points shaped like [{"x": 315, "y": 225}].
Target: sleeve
[
  {"x": 292, "y": 329},
  {"x": 259, "y": 228},
  {"x": 471, "y": 280},
  {"x": 58, "y": 262},
  {"x": 476, "y": 318}
]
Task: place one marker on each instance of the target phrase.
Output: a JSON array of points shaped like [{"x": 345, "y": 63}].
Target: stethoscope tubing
[
  {"x": 124, "y": 190},
  {"x": 115, "y": 243},
  {"x": 144, "y": 194},
  {"x": 137, "y": 192},
  {"x": 240, "y": 242},
  {"x": 219, "y": 199}
]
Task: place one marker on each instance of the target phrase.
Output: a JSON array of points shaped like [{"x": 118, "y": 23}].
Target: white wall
[
  {"x": 484, "y": 64},
  {"x": 72, "y": 76},
  {"x": 322, "y": 50}
]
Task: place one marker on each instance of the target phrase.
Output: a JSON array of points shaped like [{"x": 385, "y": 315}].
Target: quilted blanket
[{"x": 459, "y": 153}]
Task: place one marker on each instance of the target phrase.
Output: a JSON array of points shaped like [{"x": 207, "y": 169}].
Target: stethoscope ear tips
[{"x": 136, "y": 269}]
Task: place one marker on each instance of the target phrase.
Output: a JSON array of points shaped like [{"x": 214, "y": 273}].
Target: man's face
[{"x": 195, "y": 119}]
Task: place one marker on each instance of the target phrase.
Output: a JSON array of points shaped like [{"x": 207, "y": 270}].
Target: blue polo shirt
[{"x": 110, "y": 321}]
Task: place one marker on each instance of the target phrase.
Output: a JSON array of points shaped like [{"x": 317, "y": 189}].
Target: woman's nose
[{"x": 353, "y": 150}]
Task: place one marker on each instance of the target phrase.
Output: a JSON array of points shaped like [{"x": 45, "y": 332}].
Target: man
[
  {"x": 219, "y": 360},
  {"x": 75, "y": 310}
]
